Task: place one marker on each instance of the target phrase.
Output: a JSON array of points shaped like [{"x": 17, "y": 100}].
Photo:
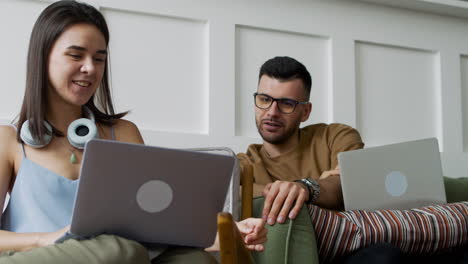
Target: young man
[{"x": 294, "y": 165}]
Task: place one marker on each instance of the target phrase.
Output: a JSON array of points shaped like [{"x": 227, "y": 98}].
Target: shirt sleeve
[{"x": 342, "y": 138}]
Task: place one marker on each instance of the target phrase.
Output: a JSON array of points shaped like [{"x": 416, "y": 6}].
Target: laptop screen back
[
  {"x": 398, "y": 176},
  {"x": 150, "y": 194}
]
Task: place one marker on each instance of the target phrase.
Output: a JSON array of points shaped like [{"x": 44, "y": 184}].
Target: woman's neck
[{"x": 61, "y": 115}]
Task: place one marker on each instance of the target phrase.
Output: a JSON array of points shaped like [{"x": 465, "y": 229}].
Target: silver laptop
[
  {"x": 398, "y": 176},
  {"x": 150, "y": 194}
]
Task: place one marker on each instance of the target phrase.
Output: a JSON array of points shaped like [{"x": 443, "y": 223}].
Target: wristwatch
[{"x": 313, "y": 187}]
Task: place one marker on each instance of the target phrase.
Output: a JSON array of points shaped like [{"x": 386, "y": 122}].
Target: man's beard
[{"x": 281, "y": 138}]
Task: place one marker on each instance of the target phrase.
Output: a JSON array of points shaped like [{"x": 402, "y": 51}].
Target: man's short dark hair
[{"x": 285, "y": 69}]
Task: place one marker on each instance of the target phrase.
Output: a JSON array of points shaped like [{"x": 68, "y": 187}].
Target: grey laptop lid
[
  {"x": 398, "y": 176},
  {"x": 150, "y": 194}
]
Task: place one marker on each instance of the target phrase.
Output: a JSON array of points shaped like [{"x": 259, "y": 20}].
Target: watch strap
[
  {"x": 306, "y": 184},
  {"x": 313, "y": 188}
]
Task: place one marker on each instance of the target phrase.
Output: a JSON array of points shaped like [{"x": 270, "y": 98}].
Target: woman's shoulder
[
  {"x": 124, "y": 124},
  {"x": 127, "y": 131},
  {"x": 8, "y": 142},
  {"x": 7, "y": 134}
]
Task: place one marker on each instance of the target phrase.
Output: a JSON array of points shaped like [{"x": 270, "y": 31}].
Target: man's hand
[
  {"x": 282, "y": 199},
  {"x": 326, "y": 174},
  {"x": 253, "y": 232}
]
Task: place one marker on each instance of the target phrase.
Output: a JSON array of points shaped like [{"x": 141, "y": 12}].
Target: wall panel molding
[
  {"x": 168, "y": 88},
  {"x": 448, "y": 74},
  {"x": 464, "y": 98},
  {"x": 16, "y": 20},
  {"x": 397, "y": 93}
]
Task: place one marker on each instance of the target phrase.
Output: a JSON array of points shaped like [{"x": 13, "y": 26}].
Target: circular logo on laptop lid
[
  {"x": 154, "y": 196},
  {"x": 396, "y": 183}
]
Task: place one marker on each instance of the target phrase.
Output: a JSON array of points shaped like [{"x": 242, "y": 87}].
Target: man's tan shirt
[{"x": 317, "y": 152}]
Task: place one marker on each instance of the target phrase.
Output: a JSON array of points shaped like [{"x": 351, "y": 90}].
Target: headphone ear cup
[
  {"x": 81, "y": 131},
  {"x": 29, "y": 140}
]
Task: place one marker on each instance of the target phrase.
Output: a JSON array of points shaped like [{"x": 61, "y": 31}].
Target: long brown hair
[{"x": 52, "y": 22}]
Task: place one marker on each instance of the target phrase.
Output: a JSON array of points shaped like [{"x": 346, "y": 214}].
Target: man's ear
[{"x": 306, "y": 112}]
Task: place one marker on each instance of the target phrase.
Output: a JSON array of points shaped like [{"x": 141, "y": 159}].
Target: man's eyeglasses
[{"x": 285, "y": 105}]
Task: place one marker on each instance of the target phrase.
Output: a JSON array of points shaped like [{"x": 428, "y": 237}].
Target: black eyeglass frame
[{"x": 277, "y": 105}]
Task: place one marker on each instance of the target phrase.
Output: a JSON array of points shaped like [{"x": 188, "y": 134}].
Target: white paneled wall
[
  {"x": 464, "y": 99},
  {"x": 392, "y": 80},
  {"x": 160, "y": 67},
  {"x": 252, "y": 52},
  {"x": 16, "y": 21},
  {"x": 187, "y": 69}
]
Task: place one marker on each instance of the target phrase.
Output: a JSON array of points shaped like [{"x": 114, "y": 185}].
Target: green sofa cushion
[
  {"x": 300, "y": 246},
  {"x": 291, "y": 242},
  {"x": 456, "y": 189}
]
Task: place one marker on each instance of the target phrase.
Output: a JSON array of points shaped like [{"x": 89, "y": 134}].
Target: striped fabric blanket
[{"x": 421, "y": 231}]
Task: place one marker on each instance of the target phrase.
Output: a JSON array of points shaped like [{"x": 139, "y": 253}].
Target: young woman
[{"x": 67, "y": 102}]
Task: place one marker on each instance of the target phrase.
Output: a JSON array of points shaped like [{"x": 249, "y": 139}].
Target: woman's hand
[
  {"x": 46, "y": 239},
  {"x": 253, "y": 232}
]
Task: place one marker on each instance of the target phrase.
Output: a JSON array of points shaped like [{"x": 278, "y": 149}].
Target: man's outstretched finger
[{"x": 259, "y": 248}]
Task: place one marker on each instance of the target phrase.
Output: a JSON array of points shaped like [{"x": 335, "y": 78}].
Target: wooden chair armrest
[
  {"x": 246, "y": 181},
  {"x": 232, "y": 247}
]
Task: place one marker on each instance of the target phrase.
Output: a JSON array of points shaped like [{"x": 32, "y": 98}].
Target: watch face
[
  {"x": 314, "y": 189},
  {"x": 312, "y": 182}
]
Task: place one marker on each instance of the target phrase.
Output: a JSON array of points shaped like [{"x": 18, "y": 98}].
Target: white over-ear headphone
[{"x": 79, "y": 132}]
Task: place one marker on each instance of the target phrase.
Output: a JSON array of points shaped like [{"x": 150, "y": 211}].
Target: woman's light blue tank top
[{"x": 41, "y": 200}]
